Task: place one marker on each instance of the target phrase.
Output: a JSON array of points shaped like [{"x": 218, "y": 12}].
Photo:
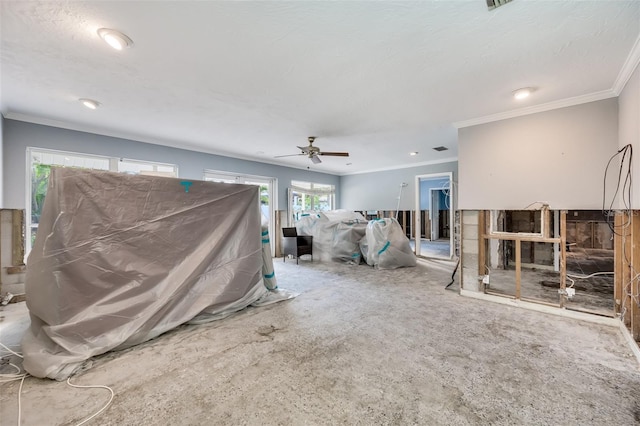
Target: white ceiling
[{"x": 254, "y": 79}]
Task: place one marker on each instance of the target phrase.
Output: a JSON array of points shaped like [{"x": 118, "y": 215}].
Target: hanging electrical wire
[{"x": 625, "y": 162}]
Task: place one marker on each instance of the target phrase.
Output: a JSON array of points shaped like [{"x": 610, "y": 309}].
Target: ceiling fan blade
[
  {"x": 315, "y": 159},
  {"x": 304, "y": 149},
  {"x": 288, "y": 155},
  {"x": 335, "y": 154}
]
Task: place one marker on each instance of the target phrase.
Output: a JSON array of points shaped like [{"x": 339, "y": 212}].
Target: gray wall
[
  {"x": 629, "y": 123},
  {"x": 380, "y": 190},
  {"x": 557, "y": 157},
  {"x": 19, "y": 135}
]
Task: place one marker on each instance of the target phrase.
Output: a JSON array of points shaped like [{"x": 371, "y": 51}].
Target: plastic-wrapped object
[
  {"x": 322, "y": 226},
  {"x": 317, "y": 225},
  {"x": 346, "y": 241},
  {"x": 120, "y": 259},
  {"x": 268, "y": 274},
  {"x": 385, "y": 245}
]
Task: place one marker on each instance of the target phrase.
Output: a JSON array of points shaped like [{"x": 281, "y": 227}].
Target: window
[
  {"x": 136, "y": 167},
  {"x": 41, "y": 161},
  {"x": 310, "y": 197}
]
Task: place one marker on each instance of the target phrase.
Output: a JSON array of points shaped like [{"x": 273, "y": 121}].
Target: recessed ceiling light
[
  {"x": 440, "y": 148},
  {"x": 89, "y": 103},
  {"x": 413, "y": 153},
  {"x": 114, "y": 38},
  {"x": 522, "y": 93}
]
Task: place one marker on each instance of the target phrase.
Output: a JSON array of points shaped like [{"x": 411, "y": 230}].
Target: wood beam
[
  {"x": 634, "y": 316},
  {"x": 482, "y": 260},
  {"x": 617, "y": 264},
  {"x": 563, "y": 257},
  {"x": 17, "y": 243},
  {"x": 518, "y": 266}
]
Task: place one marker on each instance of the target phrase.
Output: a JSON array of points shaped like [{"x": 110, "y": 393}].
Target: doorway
[{"x": 433, "y": 234}]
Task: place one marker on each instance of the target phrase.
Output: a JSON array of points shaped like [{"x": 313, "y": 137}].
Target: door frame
[{"x": 418, "y": 224}]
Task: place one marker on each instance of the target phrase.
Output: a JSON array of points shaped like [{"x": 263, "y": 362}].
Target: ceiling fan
[{"x": 313, "y": 152}]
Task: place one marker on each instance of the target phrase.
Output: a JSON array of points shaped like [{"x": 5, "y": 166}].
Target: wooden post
[
  {"x": 482, "y": 261},
  {"x": 634, "y": 301},
  {"x": 563, "y": 257},
  {"x": 17, "y": 244},
  {"x": 625, "y": 230},
  {"x": 617, "y": 264},
  {"x": 518, "y": 266},
  {"x": 546, "y": 222}
]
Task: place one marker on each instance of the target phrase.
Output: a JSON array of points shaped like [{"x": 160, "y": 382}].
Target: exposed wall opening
[{"x": 560, "y": 258}]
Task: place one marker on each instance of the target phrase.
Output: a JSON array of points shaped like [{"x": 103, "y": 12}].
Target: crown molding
[
  {"x": 628, "y": 68},
  {"x": 562, "y": 103},
  {"x": 404, "y": 166}
]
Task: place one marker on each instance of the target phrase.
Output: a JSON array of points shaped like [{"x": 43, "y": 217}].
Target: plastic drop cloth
[
  {"x": 120, "y": 259},
  {"x": 385, "y": 245}
]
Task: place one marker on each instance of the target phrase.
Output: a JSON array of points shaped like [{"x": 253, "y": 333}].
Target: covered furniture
[
  {"x": 120, "y": 259},
  {"x": 296, "y": 245}
]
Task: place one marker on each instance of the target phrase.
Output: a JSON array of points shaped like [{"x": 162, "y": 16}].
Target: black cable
[
  {"x": 626, "y": 191},
  {"x": 453, "y": 274}
]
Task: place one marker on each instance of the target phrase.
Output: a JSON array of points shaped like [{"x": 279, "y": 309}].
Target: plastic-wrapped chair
[{"x": 296, "y": 245}]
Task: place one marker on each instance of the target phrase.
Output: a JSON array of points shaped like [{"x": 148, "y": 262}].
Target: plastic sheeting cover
[
  {"x": 323, "y": 226},
  {"x": 120, "y": 259},
  {"x": 385, "y": 245}
]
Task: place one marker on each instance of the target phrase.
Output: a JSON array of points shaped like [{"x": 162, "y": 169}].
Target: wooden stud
[
  {"x": 482, "y": 260},
  {"x": 17, "y": 244},
  {"x": 617, "y": 264},
  {"x": 518, "y": 266},
  {"x": 546, "y": 222},
  {"x": 625, "y": 230},
  {"x": 634, "y": 317},
  {"x": 563, "y": 257}
]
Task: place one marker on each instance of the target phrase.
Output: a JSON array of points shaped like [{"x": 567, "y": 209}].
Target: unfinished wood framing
[
  {"x": 563, "y": 257},
  {"x": 518, "y": 239},
  {"x": 634, "y": 286},
  {"x": 482, "y": 246},
  {"x": 17, "y": 235}
]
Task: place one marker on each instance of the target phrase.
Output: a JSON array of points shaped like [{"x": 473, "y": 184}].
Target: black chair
[{"x": 296, "y": 245}]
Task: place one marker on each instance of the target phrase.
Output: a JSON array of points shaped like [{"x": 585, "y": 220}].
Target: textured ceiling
[{"x": 254, "y": 79}]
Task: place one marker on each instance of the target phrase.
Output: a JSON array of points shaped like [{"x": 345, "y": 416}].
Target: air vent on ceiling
[
  {"x": 440, "y": 148},
  {"x": 492, "y": 4}
]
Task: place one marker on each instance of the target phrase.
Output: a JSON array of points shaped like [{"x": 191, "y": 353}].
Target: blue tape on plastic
[
  {"x": 265, "y": 240},
  {"x": 306, "y": 214},
  {"x": 271, "y": 275},
  {"x": 265, "y": 233},
  {"x": 386, "y": 246},
  {"x": 355, "y": 255}
]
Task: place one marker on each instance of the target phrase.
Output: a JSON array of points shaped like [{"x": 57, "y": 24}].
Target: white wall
[
  {"x": 557, "y": 157},
  {"x": 2, "y": 169},
  {"x": 380, "y": 190},
  {"x": 19, "y": 135},
  {"x": 629, "y": 126}
]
